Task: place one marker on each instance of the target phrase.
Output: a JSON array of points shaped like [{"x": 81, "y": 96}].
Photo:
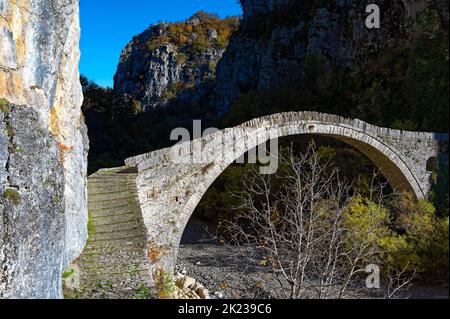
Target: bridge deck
[
  {"x": 114, "y": 263},
  {"x": 287, "y": 118}
]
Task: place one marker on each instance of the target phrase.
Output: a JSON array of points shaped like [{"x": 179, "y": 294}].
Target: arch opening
[
  {"x": 390, "y": 170},
  {"x": 348, "y": 157},
  {"x": 199, "y": 240}
]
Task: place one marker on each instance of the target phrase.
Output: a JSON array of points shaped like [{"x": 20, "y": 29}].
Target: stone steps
[
  {"x": 102, "y": 218},
  {"x": 113, "y": 258},
  {"x": 114, "y": 262},
  {"x": 113, "y": 187},
  {"x": 117, "y": 243},
  {"x": 116, "y": 196},
  {"x": 95, "y": 181},
  {"x": 115, "y": 203},
  {"x": 113, "y": 180},
  {"x": 116, "y": 211},
  {"x": 117, "y": 219},
  {"x": 125, "y": 240},
  {"x": 133, "y": 226},
  {"x": 122, "y": 235}
]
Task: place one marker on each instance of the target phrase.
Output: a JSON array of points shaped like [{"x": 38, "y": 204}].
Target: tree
[{"x": 315, "y": 235}]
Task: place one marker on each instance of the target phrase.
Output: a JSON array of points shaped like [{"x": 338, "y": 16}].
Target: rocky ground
[
  {"x": 205, "y": 270},
  {"x": 218, "y": 270},
  {"x": 225, "y": 275}
]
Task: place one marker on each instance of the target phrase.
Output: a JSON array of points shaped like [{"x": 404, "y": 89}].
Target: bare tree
[
  {"x": 299, "y": 232},
  {"x": 399, "y": 281}
]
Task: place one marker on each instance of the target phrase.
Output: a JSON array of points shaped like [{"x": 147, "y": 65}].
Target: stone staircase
[{"x": 114, "y": 264}]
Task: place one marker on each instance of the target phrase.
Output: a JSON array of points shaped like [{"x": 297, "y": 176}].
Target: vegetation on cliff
[
  {"x": 197, "y": 32},
  {"x": 173, "y": 59},
  {"x": 404, "y": 87}
]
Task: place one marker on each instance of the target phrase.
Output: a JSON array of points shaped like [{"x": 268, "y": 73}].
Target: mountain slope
[{"x": 168, "y": 58}]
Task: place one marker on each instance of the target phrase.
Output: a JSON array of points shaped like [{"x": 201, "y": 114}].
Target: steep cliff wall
[
  {"x": 279, "y": 43},
  {"x": 278, "y": 38},
  {"x": 43, "y": 146},
  {"x": 169, "y": 58}
]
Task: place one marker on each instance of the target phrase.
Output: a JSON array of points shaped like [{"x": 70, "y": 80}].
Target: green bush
[
  {"x": 67, "y": 274},
  {"x": 4, "y": 106},
  {"x": 426, "y": 233},
  {"x": 181, "y": 33},
  {"x": 423, "y": 244},
  {"x": 12, "y": 195}
]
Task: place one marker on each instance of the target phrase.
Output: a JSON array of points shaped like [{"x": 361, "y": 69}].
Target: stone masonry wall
[{"x": 170, "y": 187}]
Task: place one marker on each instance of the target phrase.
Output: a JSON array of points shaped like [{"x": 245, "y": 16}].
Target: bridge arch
[{"x": 170, "y": 191}]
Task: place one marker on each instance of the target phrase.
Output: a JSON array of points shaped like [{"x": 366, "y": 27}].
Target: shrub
[
  {"x": 405, "y": 125},
  {"x": 164, "y": 284},
  {"x": 181, "y": 33},
  {"x": 427, "y": 234},
  {"x": 365, "y": 218},
  {"x": 4, "y": 106},
  {"x": 416, "y": 241},
  {"x": 67, "y": 274},
  {"x": 12, "y": 195}
]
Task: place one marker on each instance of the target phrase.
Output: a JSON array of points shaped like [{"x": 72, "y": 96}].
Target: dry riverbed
[{"x": 226, "y": 275}]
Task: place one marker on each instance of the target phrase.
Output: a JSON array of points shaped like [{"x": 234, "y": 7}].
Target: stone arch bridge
[{"x": 169, "y": 184}]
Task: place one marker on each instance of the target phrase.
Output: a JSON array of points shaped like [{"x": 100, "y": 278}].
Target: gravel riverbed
[{"x": 226, "y": 275}]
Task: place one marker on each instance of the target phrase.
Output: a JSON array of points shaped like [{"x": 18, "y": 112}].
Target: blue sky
[{"x": 108, "y": 25}]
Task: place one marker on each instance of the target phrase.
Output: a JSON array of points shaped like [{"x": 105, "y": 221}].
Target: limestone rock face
[
  {"x": 167, "y": 60},
  {"x": 277, "y": 38},
  {"x": 43, "y": 146}
]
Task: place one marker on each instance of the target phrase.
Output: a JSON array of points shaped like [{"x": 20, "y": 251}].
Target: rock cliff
[
  {"x": 169, "y": 58},
  {"x": 43, "y": 147},
  {"x": 279, "y": 39},
  {"x": 278, "y": 43}
]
